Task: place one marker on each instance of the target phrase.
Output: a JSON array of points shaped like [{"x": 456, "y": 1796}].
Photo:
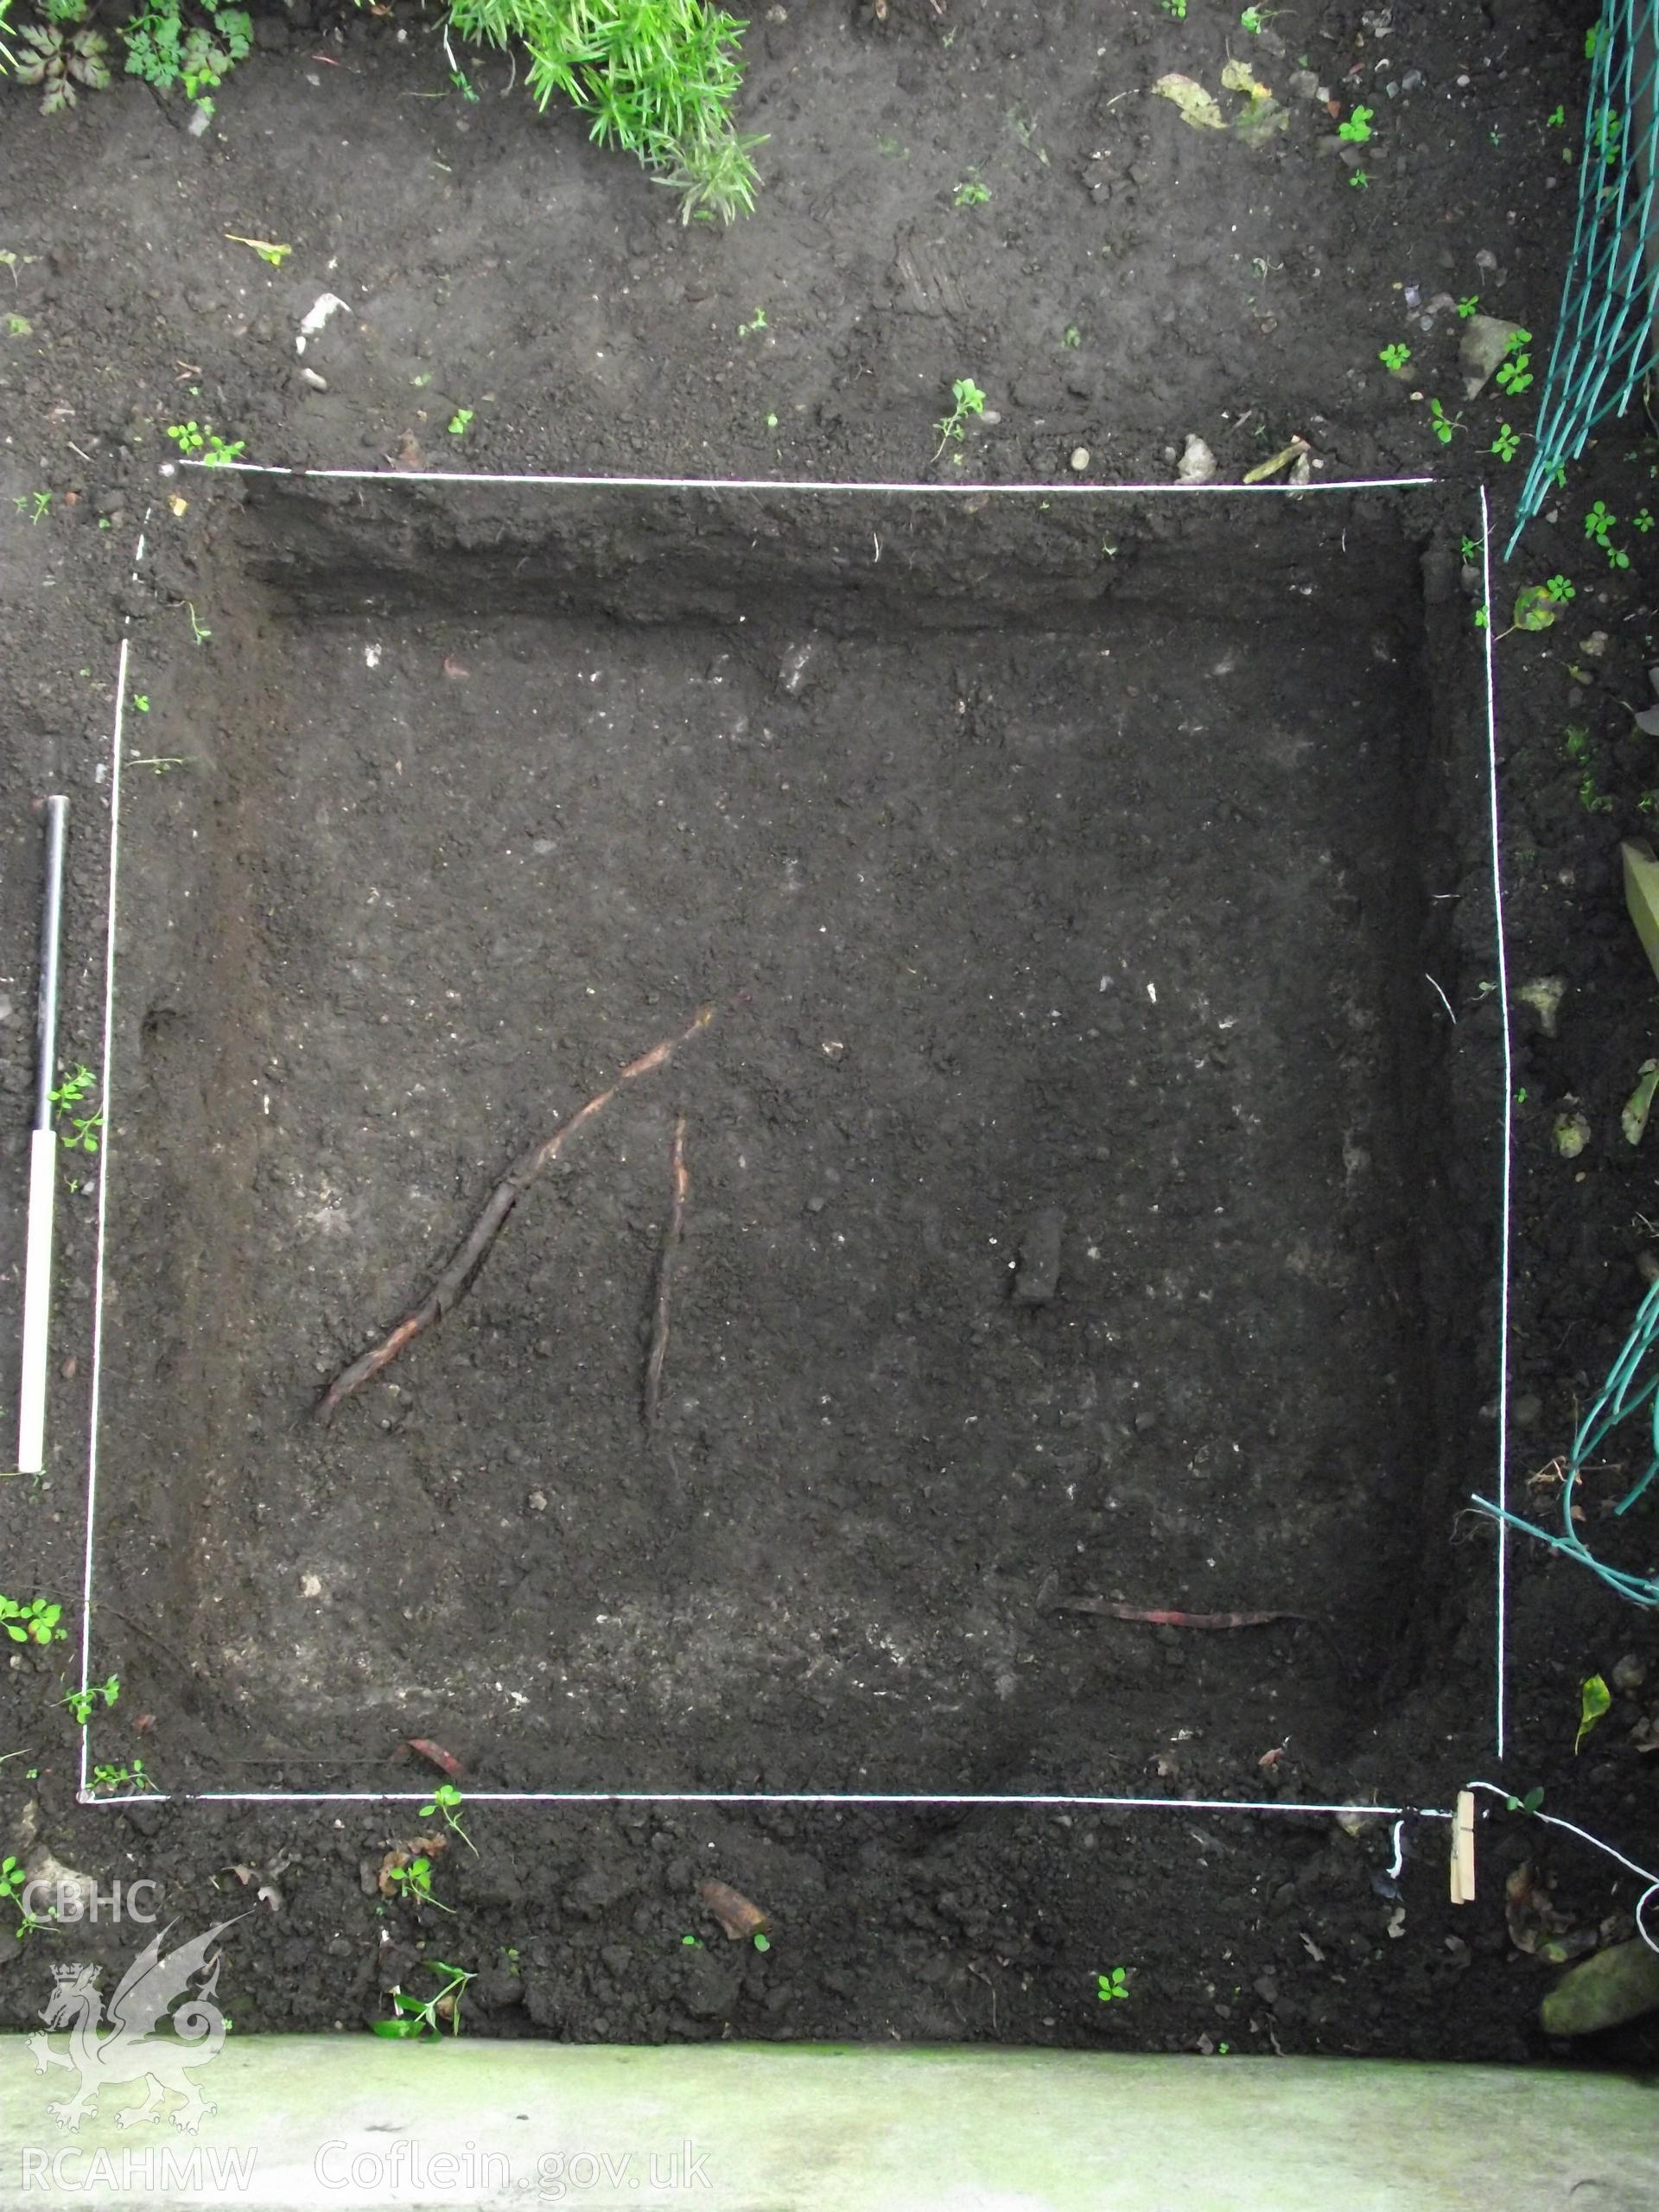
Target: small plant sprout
[
  {"x": 1356, "y": 130},
  {"x": 13, "y": 1882},
  {"x": 199, "y": 630},
  {"x": 414, "y": 1882},
  {"x": 1555, "y": 119},
  {"x": 1444, "y": 427},
  {"x": 1468, "y": 552},
  {"x": 1109, "y": 1987},
  {"x": 1599, "y": 521},
  {"x": 1559, "y": 589},
  {"x": 107, "y": 1780},
  {"x": 415, "y": 2018},
  {"x": 1359, "y": 180},
  {"x": 82, "y": 1134},
  {"x": 969, "y": 400},
  {"x": 1507, "y": 443},
  {"x": 141, "y": 703},
  {"x": 756, "y": 322},
  {"x": 1593, "y": 800},
  {"x": 34, "y": 505},
  {"x": 446, "y": 1799},
  {"x": 84, "y": 1703},
  {"x": 1642, "y": 520},
  {"x": 192, "y": 438},
  {"x": 39, "y": 1621},
  {"x": 971, "y": 192},
  {"x": 761, "y": 1942},
  {"x": 460, "y": 422},
  {"x": 1394, "y": 358},
  {"x": 276, "y": 255},
  {"x": 1177, "y": 9},
  {"x": 1513, "y": 373},
  {"x": 1467, "y": 305},
  {"x": 1072, "y": 336},
  {"x": 1256, "y": 20}
]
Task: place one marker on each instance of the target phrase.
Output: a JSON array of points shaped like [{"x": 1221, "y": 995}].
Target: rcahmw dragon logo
[{"x": 130, "y": 2052}]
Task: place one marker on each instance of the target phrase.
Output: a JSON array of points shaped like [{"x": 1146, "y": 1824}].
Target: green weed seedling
[
  {"x": 460, "y": 422},
  {"x": 756, "y": 324},
  {"x": 413, "y": 2018},
  {"x": 1444, "y": 427},
  {"x": 414, "y": 1882},
  {"x": 1356, "y": 130},
  {"x": 1468, "y": 552},
  {"x": 969, "y": 400},
  {"x": 1514, "y": 375},
  {"x": 1395, "y": 358},
  {"x": 1642, "y": 520},
  {"x": 1256, "y": 20},
  {"x": 164, "y": 52},
  {"x": 1559, "y": 589},
  {"x": 657, "y": 78},
  {"x": 970, "y": 193},
  {"x": 39, "y": 1621},
  {"x": 60, "y": 53},
  {"x": 107, "y": 1780},
  {"x": 446, "y": 1799},
  {"x": 1599, "y": 524},
  {"x": 82, "y": 1134},
  {"x": 1360, "y": 181},
  {"x": 1467, "y": 305},
  {"x": 1507, "y": 443},
  {"x": 13, "y": 1880},
  {"x": 34, "y": 505},
  {"x": 84, "y": 1703},
  {"x": 202, "y": 438},
  {"x": 1593, "y": 800},
  {"x": 1109, "y": 1987},
  {"x": 1177, "y": 9}
]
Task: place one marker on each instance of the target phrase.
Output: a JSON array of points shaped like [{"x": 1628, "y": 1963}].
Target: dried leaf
[
  {"x": 1570, "y": 1134},
  {"x": 1634, "y": 1119},
  {"x": 441, "y": 1758},
  {"x": 1534, "y": 609},
  {"x": 741, "y": 1919},
  {"x": 1238, "y": 77},
  {"x": 1595, "y": 1700},
  {"x": 1198, "y": 107},
  {"x": 1530, "y": 1911}
]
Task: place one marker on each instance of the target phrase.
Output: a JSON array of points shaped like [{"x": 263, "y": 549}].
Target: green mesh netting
[{"x": 1605, "y": 341}]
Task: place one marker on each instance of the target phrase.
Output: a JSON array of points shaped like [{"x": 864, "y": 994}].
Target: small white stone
[{"x": 1080, "y": 458}]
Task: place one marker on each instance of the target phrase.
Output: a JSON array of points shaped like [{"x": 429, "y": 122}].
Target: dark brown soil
[{"x": 1064, "y": 870}]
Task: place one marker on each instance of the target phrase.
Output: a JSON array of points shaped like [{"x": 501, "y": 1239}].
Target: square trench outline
[{"x": 1398, "y": 1814}]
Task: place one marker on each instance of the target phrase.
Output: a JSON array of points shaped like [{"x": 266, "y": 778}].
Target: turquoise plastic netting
[
  {"x": 1605, "y": 341},
  {"x": 1631, "y": 1389}
]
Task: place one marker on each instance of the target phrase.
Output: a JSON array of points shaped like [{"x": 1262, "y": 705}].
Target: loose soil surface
[{"x": 1089, "y": 1195}]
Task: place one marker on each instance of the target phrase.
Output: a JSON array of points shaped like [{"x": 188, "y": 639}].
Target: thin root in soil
[{"x": 462, "y": 1271}]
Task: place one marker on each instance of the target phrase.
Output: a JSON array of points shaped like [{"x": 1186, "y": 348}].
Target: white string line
[
  {"x": 1500, "y": 1697},
  {"x": 96, "y": 1391},
  {"x": 1550, "y": 1820},
  {"x": 782, "y": 484},
  {"x": 897, "y": 1797}
]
